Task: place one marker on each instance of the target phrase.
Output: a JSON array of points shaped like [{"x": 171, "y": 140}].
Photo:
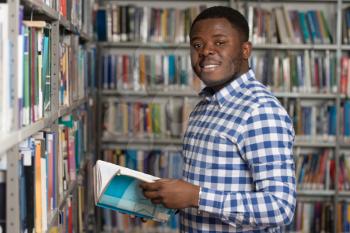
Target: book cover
[{"x": 117, "y": 188}]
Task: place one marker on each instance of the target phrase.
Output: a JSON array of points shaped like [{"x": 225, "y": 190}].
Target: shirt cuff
[{"x": 210, "y": 201}]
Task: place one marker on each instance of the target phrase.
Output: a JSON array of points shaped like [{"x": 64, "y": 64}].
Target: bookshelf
[
  {"x": 50, "y": 122},
  {"x": 336, "y": 48}
]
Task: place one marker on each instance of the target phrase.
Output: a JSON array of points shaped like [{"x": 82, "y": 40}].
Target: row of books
[
  {"x": 314, "y": 119},
  {"x": 142, "y": 119},
  {"x": 145, "y": 24},
  {"x": 76, "y": 11},
  {"x": 279, "y": 25},
  {"x": 25, "y": 98},
  {"x": 312, "y": 217},
  {"x": 3, "y": 166},
  {"x": 77, "y": 69},
  {"x": 168, "y": 118},
  {"x": 164, "y": 164},
  {"x": 46, "y": 171},
  {"x": 318, "y": 119},
  {"x": 36, "y": 77},
  {"x": 71, "y": 216},
  {"x": 319, "y": 217},
  {"x": 305, "y": 72},
  {"x": 147, "y": 72},
  {"x": 315, "y": 171}
]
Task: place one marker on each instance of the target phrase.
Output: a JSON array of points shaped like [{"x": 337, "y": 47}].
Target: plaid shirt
[{"x": 238, "y": 149}]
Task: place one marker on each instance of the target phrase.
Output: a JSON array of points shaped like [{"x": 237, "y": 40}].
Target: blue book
[
  {"x": 332, "y": 111},
  {"x": 101, "y": 25},
  {"x": 312, "y": 27},
  {"x": 117, "y": 188},
  {"x": 304, "y": 27},
  {"x": 347, "y": 118}
]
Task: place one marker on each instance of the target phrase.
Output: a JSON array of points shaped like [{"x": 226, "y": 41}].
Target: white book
[
  {"x": 136, "y": 73},
  {"x": 307, "y": 72},
  {"x": 5, "y": 88},
  {"x": 115, "y": 23},
  {"x": 286, "y": 74},
  {"x": 281, "y": 26},
  {"x": 40, "y": 66},
  {"x": 145, "y": 24},
  {"x": 166, "y": 70},
  {"x": 250, "y": 22},
  {"x": 289, "y": 27},
  {"x": 20, "y": 71},
  {"x": 109, "y": 23}
]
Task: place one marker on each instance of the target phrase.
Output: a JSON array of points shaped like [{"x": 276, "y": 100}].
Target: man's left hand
[{"x": 172, "y": 193}]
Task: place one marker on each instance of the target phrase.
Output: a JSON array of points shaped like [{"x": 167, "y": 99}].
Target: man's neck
[{"x": 244, "y": 70}]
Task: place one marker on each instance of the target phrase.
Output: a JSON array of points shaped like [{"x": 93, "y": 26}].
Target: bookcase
[
  {"x": 304, "y": 64},
  {"x": 47, "y": 114}
]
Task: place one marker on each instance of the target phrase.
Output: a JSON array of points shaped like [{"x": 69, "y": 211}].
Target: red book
[
  {"x": 63, "y": 7},
  {"x": 125, "y": 71},
  {"x": 343, "y": 75}
]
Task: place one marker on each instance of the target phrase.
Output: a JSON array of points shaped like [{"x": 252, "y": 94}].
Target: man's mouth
[{"x": 209, "y": 67}]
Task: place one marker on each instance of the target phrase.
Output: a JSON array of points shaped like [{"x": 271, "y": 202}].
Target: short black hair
[{"x": 236, "y": 19}]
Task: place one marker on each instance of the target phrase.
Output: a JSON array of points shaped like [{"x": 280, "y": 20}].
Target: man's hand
[{"x": 172, "y": 193}]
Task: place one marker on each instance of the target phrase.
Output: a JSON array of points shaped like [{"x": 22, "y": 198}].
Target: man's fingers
[
  {"x": 151, "y": 194},
  {"x": 150, "y": 186}
]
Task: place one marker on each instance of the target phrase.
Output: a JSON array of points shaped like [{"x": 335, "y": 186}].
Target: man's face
[{"x": 216, "y": 51}]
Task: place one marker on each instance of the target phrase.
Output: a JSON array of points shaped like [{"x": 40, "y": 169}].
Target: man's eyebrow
[
  {"x": 215, "y": 36},
  {"x": 219, "y": 35}
]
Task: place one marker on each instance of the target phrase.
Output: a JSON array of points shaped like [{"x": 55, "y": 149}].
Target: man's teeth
[{"x": 210, "y": 66}]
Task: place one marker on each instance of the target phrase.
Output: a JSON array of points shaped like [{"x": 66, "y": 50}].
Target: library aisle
[{"x": 83, "y": 80}]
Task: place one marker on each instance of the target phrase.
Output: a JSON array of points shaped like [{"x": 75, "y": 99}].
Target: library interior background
[{"x": 86, "y": 80}]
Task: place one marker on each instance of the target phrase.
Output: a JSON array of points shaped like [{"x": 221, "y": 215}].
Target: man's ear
[{"x": 246, "y": 49}]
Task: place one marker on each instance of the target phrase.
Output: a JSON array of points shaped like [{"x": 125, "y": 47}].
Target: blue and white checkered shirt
[{"x": 238, "y": 149}]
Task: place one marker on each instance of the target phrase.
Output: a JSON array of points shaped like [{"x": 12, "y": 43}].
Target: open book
[{"x": 117, "y": 188}]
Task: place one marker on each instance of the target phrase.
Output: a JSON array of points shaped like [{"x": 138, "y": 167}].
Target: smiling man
[{"x": 238, "y": 173}]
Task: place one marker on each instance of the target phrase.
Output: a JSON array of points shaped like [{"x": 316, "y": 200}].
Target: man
[{"x": 238, "y": 173}]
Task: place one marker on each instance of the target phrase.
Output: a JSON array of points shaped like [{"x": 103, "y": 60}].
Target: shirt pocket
[{"x": 222, "y": 153}]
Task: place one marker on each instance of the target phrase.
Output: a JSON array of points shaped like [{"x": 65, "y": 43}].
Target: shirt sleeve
[{"x": 266, "y": 146}]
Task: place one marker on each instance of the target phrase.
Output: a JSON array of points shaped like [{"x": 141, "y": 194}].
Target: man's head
[{"x": 219, "y": 45}]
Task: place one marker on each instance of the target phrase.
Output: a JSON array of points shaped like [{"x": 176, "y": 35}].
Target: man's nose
[{"x": 208, "y": 49}]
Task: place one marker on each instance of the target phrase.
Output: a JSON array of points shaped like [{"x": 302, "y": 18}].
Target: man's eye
[
  {"x": 196, "y": 45},
  {"x": 218, "y": 43}
]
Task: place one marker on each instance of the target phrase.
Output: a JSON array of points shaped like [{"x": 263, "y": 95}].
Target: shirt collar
[{"x": 230, "y": 90}]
